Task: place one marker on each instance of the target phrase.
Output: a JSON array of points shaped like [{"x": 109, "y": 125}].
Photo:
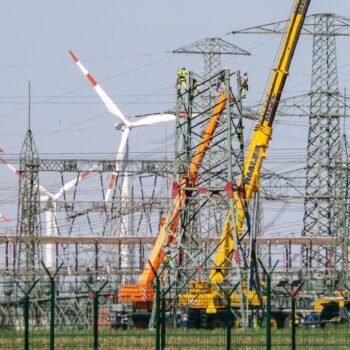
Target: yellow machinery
[
  {"x": 207, "y": 294},
  {"x": 341, "y": 299},
  {"x": 142, "y": 293}
]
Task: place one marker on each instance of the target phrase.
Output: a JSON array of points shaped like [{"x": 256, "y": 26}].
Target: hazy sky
[{"x": 125, "y": 45}]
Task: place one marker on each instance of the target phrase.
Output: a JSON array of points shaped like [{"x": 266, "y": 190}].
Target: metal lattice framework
[
  {"x": 325, "y": 177},
  {"x": 78, "y": 204},
  {"x": 207, "y": 186},
  {"x": 211, "y": 49},
  {"x": 324, "y": 136},
  {"x": 28, "y": 253}
]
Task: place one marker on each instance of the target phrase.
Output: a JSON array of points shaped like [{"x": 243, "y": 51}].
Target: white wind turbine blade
[
  {"x": 18, "y": 173},
  {"x": 118, "y": 166},
  {"x": 10, "y": 166},
  {"x": 4, "y": 218},
  {"x": 111, "y": 106},
  {"x": 43, "y": 189},
  {"x": 51, "y": 230},
  {"x": 49, "y": 248},
  {"x": 71, "y": 183},
  {"x": 154, "y": 119}
]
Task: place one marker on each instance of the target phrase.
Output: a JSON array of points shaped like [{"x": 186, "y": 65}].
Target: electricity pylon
[
  {"x": 211, "y": 50},
  {"x": 28, "y": 255},
  {"x": 322, "y": 214}
]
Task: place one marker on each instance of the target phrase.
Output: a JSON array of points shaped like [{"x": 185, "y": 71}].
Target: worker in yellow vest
[
  {"x": 244, "y": 85},
  {"x": 181, "y": 79},
  {"x": 168, "y": 261}
]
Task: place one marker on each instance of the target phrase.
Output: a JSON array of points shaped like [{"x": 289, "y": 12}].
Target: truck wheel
[{"x": 218, "y": 323}]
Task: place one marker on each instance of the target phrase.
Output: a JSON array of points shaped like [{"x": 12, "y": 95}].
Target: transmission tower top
[
  {"x": 29, "y": 150},
  {"x": 341, "y": 26},
  {"x": 212, "y": 46},
  {"x": 211, "y": 50},
  {"x": 29, "y": 102}
]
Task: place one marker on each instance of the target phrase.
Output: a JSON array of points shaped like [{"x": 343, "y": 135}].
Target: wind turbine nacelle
[{"x": 119, "y": 126}]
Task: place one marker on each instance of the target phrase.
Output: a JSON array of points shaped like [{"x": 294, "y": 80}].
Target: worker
[
  {"x": 185, "y": 320},
  {"x": 255, "y": 322},
  {"x": 167, "y": 258},
  {"x": 181, "y": 79},
  {"x": 125, "y": 322},
  {"x": 239, "y": 131},
  {"x": 195, "y": 86},
  {"x": 244, "y": 85},
  {"x": 221, "y": 80}
]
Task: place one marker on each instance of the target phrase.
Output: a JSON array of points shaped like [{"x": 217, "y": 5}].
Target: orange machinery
[{"x": 143, "y": 291}]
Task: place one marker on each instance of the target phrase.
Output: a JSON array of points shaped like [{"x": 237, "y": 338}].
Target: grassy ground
[{"x": 335, "y": 338}]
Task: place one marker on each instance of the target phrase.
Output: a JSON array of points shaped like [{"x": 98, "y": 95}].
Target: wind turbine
[
  {"x": 51, "y": 207},
  {"x": 125, "y": 125}
]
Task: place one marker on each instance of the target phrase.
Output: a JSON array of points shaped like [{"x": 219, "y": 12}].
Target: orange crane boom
[{"x": 143, "y": 291}]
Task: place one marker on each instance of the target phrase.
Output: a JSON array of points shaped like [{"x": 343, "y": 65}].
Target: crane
[
  {"x": 143, "y": 291},
  {"x": 248, "y": 183}
]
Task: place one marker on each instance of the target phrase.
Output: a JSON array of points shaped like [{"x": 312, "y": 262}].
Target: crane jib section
[
  {"x": 143, "y": 291},
  {"x": 256, "y": 153}
]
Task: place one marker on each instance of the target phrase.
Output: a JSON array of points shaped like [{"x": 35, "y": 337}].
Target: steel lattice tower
[
  {"x": 324, "y": 139},
  {"x": 323, "y": 215},
  {"x": 211, "y": 49},
  {"x": 28, "y": 255}
]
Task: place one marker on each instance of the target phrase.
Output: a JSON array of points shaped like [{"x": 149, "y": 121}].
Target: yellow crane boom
[{"x": 249, "y": 181}]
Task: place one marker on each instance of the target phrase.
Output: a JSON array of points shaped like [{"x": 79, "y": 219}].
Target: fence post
[
  {"x": 163, "y": 328},
  {"x": 96, "y": 294},
  {"x": 52, "y": 314},
  {"x": 293, "y": 324},
  {"x": 157, "y": 306},
  {"x": 268, "y": 303},
  {"x": 157, "y": 313},
  {"x": 95, "y": 301},
  {"x": 26, "y": 312},
  {"x": 294, "y": 294},
  {"x": 52, "y": 304},
  {"x": 26, "y": 321},
  {"x": 228, "y": 323},
  {"x": 268, "y": 312},
  {"x": 229, "y": 316}
]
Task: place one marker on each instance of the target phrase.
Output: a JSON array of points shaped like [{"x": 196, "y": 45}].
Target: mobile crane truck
[{"x": 207, "y": 296}]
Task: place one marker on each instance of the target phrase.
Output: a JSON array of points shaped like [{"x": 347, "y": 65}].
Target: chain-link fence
[{"x": 71, "y": 313}]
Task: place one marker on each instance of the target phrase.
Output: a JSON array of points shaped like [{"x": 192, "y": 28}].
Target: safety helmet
[{"x": 245, "y": 74}]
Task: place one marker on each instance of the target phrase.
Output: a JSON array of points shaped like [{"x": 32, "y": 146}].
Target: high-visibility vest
[
  {"x": 167, "y": 258},
  {"x": 182, "y": 74}
]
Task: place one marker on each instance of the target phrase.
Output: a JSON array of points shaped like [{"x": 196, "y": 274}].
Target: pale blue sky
[{"x": 124, "y": 45}]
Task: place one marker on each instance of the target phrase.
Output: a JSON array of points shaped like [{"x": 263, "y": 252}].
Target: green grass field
[{"x": 334, "y": 338}]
